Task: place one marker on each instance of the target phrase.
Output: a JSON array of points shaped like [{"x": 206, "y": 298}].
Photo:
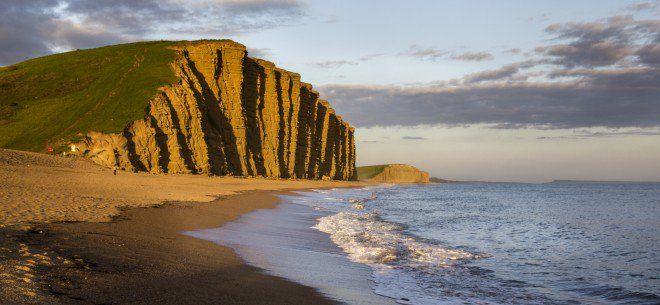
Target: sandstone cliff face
[
  {"x": 231, "y": 114},
  {"x": 401, "y": 173}
]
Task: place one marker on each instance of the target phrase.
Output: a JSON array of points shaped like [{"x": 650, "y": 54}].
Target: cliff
[
  {"x": 225, "y": 114},
  {"x": 392, "y": 173}
]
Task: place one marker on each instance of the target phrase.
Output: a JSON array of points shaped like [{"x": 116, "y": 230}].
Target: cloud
[
  {"x": 588, "y": 134},
  {"x": 431, "y": 54},
  {"x": 330, "y": 64},
  {"x": 413, "y": 138},
  {"x": 257, "y": 6},
  {"x": 25, "y": 27},
  {"x": 599, "y": 43},
  {"x": 334, "y": 63},
  {"x": 30, "y": 27},
  {"x": 598, "y": 74},
  {"x": 591, "y": 54},
  {"x": 503, "y": 72},
  {"x": 649, "y": 54},
  {"x": 615, "y": 98},
  {"x": 473, "y": 56},
  {"x": 513, "y": 51},
  {"x": 497, "y": 74},
  {"x": 369, "y": 57},
  {"x": 643, "y": 6},
  {"x": 259, "y": 52}
]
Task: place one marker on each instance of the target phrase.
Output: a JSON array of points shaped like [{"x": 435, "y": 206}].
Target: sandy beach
[{"x": 74, "y": 233}]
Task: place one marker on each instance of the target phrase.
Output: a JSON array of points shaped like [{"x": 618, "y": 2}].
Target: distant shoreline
[
  {"x": 557, "y": 181},
  {"x": 601, "y": 181}
]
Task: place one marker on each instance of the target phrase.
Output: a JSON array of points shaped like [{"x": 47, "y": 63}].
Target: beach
[{"x": 72, "y": 232}]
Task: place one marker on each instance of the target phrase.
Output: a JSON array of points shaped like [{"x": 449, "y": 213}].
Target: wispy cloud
[
  {"x": 416, "y": 138},
  {"x": 369, "y": 57},
  {"x": 260, "y": 52},
  {"x": 588, "y": 134},
  {"x": 472, "y": 56},
  {"x": 644, "y": 6},
  {"x": 513, "y": 51},
  {"x": 497, "y": 74},
  {"x": 334, "y": 63},
  {"x": 434, "y": 54},
  {"x": 422, "y": 53}
]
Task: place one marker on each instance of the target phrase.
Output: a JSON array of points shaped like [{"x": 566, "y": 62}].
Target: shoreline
[
  {"x": 284, "y": 242},
  {"x": 143, "y": 257},
  {"x": 72, "y": 232}
]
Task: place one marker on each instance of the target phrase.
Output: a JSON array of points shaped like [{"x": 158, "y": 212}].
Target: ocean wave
[{"x": 368, "y": 239}]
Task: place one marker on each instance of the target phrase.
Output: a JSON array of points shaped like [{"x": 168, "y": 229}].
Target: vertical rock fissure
[
  {"x": 231, "y": 109},
  {"x": 326, "y": 166},
  {"x": 317, "y": 141},
  {"x": 303, "y": 133},
  {"x": 283, "y": 134},
  {"x": 294, "y": 97},
  {"x": 250, "y": 101},
  {"x": 132, "y": 155},
  {"x": 206, "y": 160},
  {"x": 186, "y": 153},
  {"x": 161, "y": 141}
]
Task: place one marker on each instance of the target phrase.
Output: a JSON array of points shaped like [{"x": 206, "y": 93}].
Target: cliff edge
[
  {"x": 392, "y": 173},
  {"x": 218, "y": 112}
]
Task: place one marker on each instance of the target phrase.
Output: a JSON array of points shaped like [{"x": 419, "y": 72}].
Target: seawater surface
[{"x": 466, "y": 243}]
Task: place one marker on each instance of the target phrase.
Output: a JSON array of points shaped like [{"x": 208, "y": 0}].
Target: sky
[{"x": 511, "y": 90}]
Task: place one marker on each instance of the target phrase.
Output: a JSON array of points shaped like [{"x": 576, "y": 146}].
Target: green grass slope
[
  {"x": 368, "y": 172},
  {"x": 47, "y": 101}
]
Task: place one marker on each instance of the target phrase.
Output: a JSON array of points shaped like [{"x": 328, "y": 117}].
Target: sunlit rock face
[
  {"x": 401, "y": 173},
  {"x": 231, "y": 114}
]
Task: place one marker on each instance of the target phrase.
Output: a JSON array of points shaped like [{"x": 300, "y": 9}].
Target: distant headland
[{"x": 392, "y": 173}]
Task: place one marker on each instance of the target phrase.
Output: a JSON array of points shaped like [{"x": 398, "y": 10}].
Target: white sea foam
[
  {"x": 406, "y": 268},
  {"x": 368, "y": 239},
  {"x": 392, "y": 254}
]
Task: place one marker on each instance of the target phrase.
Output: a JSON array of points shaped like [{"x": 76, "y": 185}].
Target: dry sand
[
  {"x": 139, "y": 257},
  {"x": 44, "y": 188}
]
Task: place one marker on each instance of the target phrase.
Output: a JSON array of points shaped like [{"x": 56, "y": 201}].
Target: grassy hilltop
[
  {"x": 47, "y": 101},
  {"x": 368, "y": 172}
]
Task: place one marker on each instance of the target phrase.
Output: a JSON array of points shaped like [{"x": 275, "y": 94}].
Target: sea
[{"x": 461, "y": 243}]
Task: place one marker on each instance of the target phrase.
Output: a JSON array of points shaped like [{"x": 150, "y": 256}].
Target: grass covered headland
[{"x": 47, "y": 101}]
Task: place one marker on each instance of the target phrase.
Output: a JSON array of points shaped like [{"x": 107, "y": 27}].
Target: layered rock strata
[
  {"x": 401, "y": 173},
  {"x": 231, "y": 114}
]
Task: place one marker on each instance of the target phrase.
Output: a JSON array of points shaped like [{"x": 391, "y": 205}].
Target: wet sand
[{"x": 56, "y": 248}]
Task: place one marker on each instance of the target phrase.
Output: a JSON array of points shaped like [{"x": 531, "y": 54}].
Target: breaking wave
[{"x": 368, "y": 239}]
